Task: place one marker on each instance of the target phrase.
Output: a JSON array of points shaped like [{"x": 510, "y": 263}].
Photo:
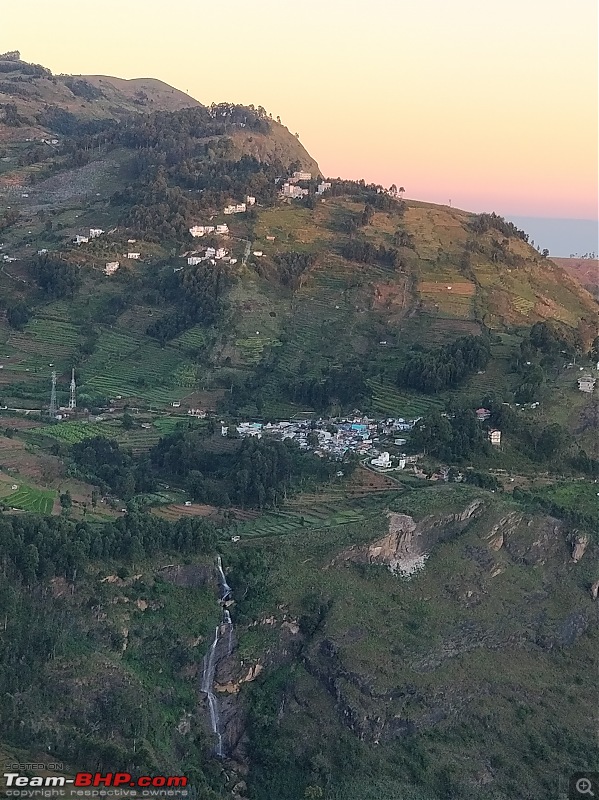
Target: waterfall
[
  {"x": 225, "y": 629},
  {"x": 225, "y": 588}
]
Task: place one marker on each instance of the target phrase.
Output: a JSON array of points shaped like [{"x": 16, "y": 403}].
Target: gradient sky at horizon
[{"x": 491, "y": 105}]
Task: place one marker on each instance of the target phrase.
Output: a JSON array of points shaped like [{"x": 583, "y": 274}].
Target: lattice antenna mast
[
  {"x": 52, "y": 409},
  {"x": 73, "y": 392}
]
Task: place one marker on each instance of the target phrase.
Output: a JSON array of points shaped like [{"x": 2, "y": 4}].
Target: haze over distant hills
[{"x": 562, "y": 237}]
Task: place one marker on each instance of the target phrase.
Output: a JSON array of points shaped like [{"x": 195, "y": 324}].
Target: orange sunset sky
[{"x": 490, "y": 104}]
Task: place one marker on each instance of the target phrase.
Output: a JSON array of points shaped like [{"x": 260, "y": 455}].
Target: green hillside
[{"x": 422, "y": 632}]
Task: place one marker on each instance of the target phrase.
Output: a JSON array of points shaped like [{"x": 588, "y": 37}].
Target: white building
[
  {"x": 81, "y": 239},
  {"x": 210, "y": 252},
  {"x": 197, "y": 230},
  {"x": 134, "y": 256},
  {"x": 193, "y": 260},
  {"x": 293, "y": 192},
  {"x": 220, "y": 252},
  {"x": 258, "y": 253},
  {"x": 196, "y": 412},
  {"x": 95, "y": 232},
  {"x": 224, "y": 228},
  {"x": 586, "y": 383},
  {"x": 302, "y": 176},
  {"x": 322, "y": 187},
  {"x": 111, "y": 267},
  {"x": 250, "y": 200},
  {"x": 495, "y": 437},
  {"x": 42, "y": 251},
  {"x": 240, "y": 208},
  {"x": 383, "y": 461},
  {"x": 229, "y": 210}
]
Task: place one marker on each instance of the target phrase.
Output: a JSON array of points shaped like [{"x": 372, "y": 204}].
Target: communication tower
[
  {"x": 73, "y": 392},
  {"x": 52, "y": 409}
]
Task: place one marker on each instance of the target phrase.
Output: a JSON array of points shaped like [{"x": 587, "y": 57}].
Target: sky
[{"x": 492, "y": 105}]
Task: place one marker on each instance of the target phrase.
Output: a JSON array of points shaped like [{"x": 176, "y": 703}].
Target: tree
[
  {"x": 128, "y": 421},
  {"x": 66, "y": 501},
  {"x": 17, "y": 315}
]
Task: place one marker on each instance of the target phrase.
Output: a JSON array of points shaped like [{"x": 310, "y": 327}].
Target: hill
[
  {"x": 584, "y": 270},
  {"x": 42, "y": 104},
  {"x": 246, "y": 338}
]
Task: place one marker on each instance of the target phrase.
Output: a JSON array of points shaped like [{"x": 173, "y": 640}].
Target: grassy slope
[{"x": 476, "y": 651}]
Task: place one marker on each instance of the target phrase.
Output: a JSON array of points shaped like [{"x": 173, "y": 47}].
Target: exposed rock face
[
  {"x": 580, "y": 542},
  {"x": 188, "y": 576},
  {"x": 595, "y": 590},
  {"x": 533, "y": 540},
  {"x": 407, "y": 545}
]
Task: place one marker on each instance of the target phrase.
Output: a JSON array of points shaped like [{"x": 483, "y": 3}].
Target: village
[
  {"x": 338, "y": 437},
  {"x": 377, "y": 443}
]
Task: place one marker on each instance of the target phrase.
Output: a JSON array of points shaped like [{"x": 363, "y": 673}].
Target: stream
[{"x": 222, "y": 633}]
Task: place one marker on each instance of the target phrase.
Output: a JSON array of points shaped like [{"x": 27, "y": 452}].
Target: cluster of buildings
[
  {"x": 202, "y": 230},
  {"x": 211, "y": 254},
  {"x": 93, "y": 234},
  {"x": 240, "y": 208},
  {"x": 290, "y": 191},
  {"x": 336, "y": 437}
]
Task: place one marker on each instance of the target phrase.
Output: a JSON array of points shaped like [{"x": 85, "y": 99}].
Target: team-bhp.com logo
[{"x": 96, "y": 779}]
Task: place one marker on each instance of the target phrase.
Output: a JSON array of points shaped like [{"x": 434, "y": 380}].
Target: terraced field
[
  {"x": 38, "y": 501},
  {"x": 133, "y": 367},
  {"x": 388, "y": 400},
  {"x": 74, "y": 432},
  {"x": 282, "y": 522}
]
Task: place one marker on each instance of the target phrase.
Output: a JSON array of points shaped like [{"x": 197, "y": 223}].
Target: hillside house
[
  {"x": 196, "y": 412},
  {"x": 240, "y": 208},
  {"x": 229, "y": 210},
  {"x": 293, "y": 192},
  {"x": 322, "y": 187},
  {"x": 210, "y": 252},
  {"x": 258, "y": 253},
  {"x": 586, "y": 383},
  {"x": 495, "y": 437},
  {"x": 111, "y": 267},
  {"x": 95, "y": 232},
  {"x": 383, "y": 461},
  {"x": 270, "y": 238},
  {"x": 482, "y": 414},
  {"x": 81, "y": 239},
  {"x": 222, "y": 229},
  {"x": 197, "y": 230},
  {"x": 42, "y": 252},
  {"x": 220, "y": 252},
  {"x": 194, "y": 260},
  {"x": 301, "y": 176},
  {"x": 251, "y": 201},
  {"x": 134, "y": 256}
]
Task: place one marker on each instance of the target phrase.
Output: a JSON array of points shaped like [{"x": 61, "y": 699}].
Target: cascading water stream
[{"x": 225, "y": 629}]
